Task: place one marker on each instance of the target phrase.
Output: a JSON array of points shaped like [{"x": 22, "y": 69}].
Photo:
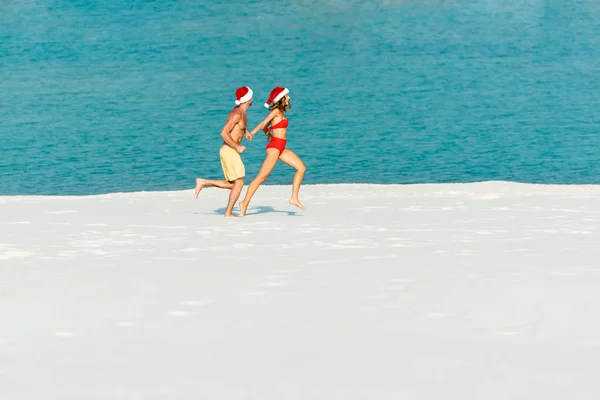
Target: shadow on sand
[{"x": 256, "y": 211}]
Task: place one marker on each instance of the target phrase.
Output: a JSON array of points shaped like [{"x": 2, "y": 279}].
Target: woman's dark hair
[{"x": 281, "y": 106}]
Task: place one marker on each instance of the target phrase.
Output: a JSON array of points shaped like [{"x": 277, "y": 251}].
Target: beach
[{"x": 433, "y": 291}]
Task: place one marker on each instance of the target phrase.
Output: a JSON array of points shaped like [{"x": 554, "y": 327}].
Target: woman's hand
[{"x": 248, "y": 135}]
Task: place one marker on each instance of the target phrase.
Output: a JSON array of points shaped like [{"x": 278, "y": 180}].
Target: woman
[{"x": 278, "y": 104}]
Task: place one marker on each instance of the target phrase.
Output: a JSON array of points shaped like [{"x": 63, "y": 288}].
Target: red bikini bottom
[{"x": 277, "y": 143}]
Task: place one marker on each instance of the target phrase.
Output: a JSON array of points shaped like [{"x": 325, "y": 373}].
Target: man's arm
[{"x": 232, "y": 121}]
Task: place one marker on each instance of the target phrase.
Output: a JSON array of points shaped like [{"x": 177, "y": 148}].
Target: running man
[{"x": 231, "y": 162}]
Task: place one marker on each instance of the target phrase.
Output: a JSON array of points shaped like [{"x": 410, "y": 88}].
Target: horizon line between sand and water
[{"x": 489, "y": 184}]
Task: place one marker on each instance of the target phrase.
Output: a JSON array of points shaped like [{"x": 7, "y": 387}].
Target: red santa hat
[
  {"x": 276, "y": 95},
  {"x": 243, "y": 95}
]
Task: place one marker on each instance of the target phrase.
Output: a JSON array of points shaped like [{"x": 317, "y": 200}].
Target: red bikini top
[{"x": 281, "y": 124}]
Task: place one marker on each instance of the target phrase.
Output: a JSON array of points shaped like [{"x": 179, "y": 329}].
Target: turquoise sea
[{"x": 126, "y": 95}]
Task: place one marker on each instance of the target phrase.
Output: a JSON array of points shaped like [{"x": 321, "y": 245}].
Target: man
[{"x": 231, "y": 162}]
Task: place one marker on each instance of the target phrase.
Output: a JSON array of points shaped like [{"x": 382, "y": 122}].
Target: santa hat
[
  {"x": 243, "y": 95},
  {"x": 276, "y": 95}
]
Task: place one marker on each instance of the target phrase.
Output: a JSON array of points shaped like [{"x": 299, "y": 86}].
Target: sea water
[{"x": 119, "y": 96}]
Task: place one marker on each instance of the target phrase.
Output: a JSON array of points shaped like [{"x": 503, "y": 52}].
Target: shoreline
[{"x": 504, "y": 185}]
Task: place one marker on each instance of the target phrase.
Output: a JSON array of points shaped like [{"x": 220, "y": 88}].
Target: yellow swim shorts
[{"x": 233, "y": 167}]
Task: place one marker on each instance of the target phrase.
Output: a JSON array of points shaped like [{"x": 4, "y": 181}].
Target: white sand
[{"x": 471, "y": 291}]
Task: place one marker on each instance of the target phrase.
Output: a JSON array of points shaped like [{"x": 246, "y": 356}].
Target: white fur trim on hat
[
  {"x": 245, "y": 98},
  {"x": 278, "y": 97}
]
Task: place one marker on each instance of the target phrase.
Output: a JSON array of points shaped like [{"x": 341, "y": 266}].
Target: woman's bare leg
[
  {"x": 263, "y": 174},
  {"x": 202, "y": 183},
  {"x": 291, "y": 159}
]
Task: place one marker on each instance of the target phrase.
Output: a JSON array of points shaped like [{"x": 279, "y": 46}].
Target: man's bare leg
[
  {"x": 202, "y": 183},
  {"x": 236, "y": 190}
]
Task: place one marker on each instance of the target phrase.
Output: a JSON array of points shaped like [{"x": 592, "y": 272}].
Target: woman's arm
[{"x": 263, "y": 125}]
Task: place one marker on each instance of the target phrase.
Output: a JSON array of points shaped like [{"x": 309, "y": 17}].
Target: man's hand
[{"x": 241, "y": 149}]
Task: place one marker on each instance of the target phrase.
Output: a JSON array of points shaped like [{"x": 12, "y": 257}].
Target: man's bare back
[
  {"x": 235, "y": 128},
  {"x": 239, "y": 129}
]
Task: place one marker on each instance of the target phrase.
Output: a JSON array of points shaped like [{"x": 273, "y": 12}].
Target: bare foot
[
  {"x": 232, "y": 216},
  {"x": 296, "y": 202},
  {"x": 243, "y": 208},
  {"x": 199, "y": 186}
]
